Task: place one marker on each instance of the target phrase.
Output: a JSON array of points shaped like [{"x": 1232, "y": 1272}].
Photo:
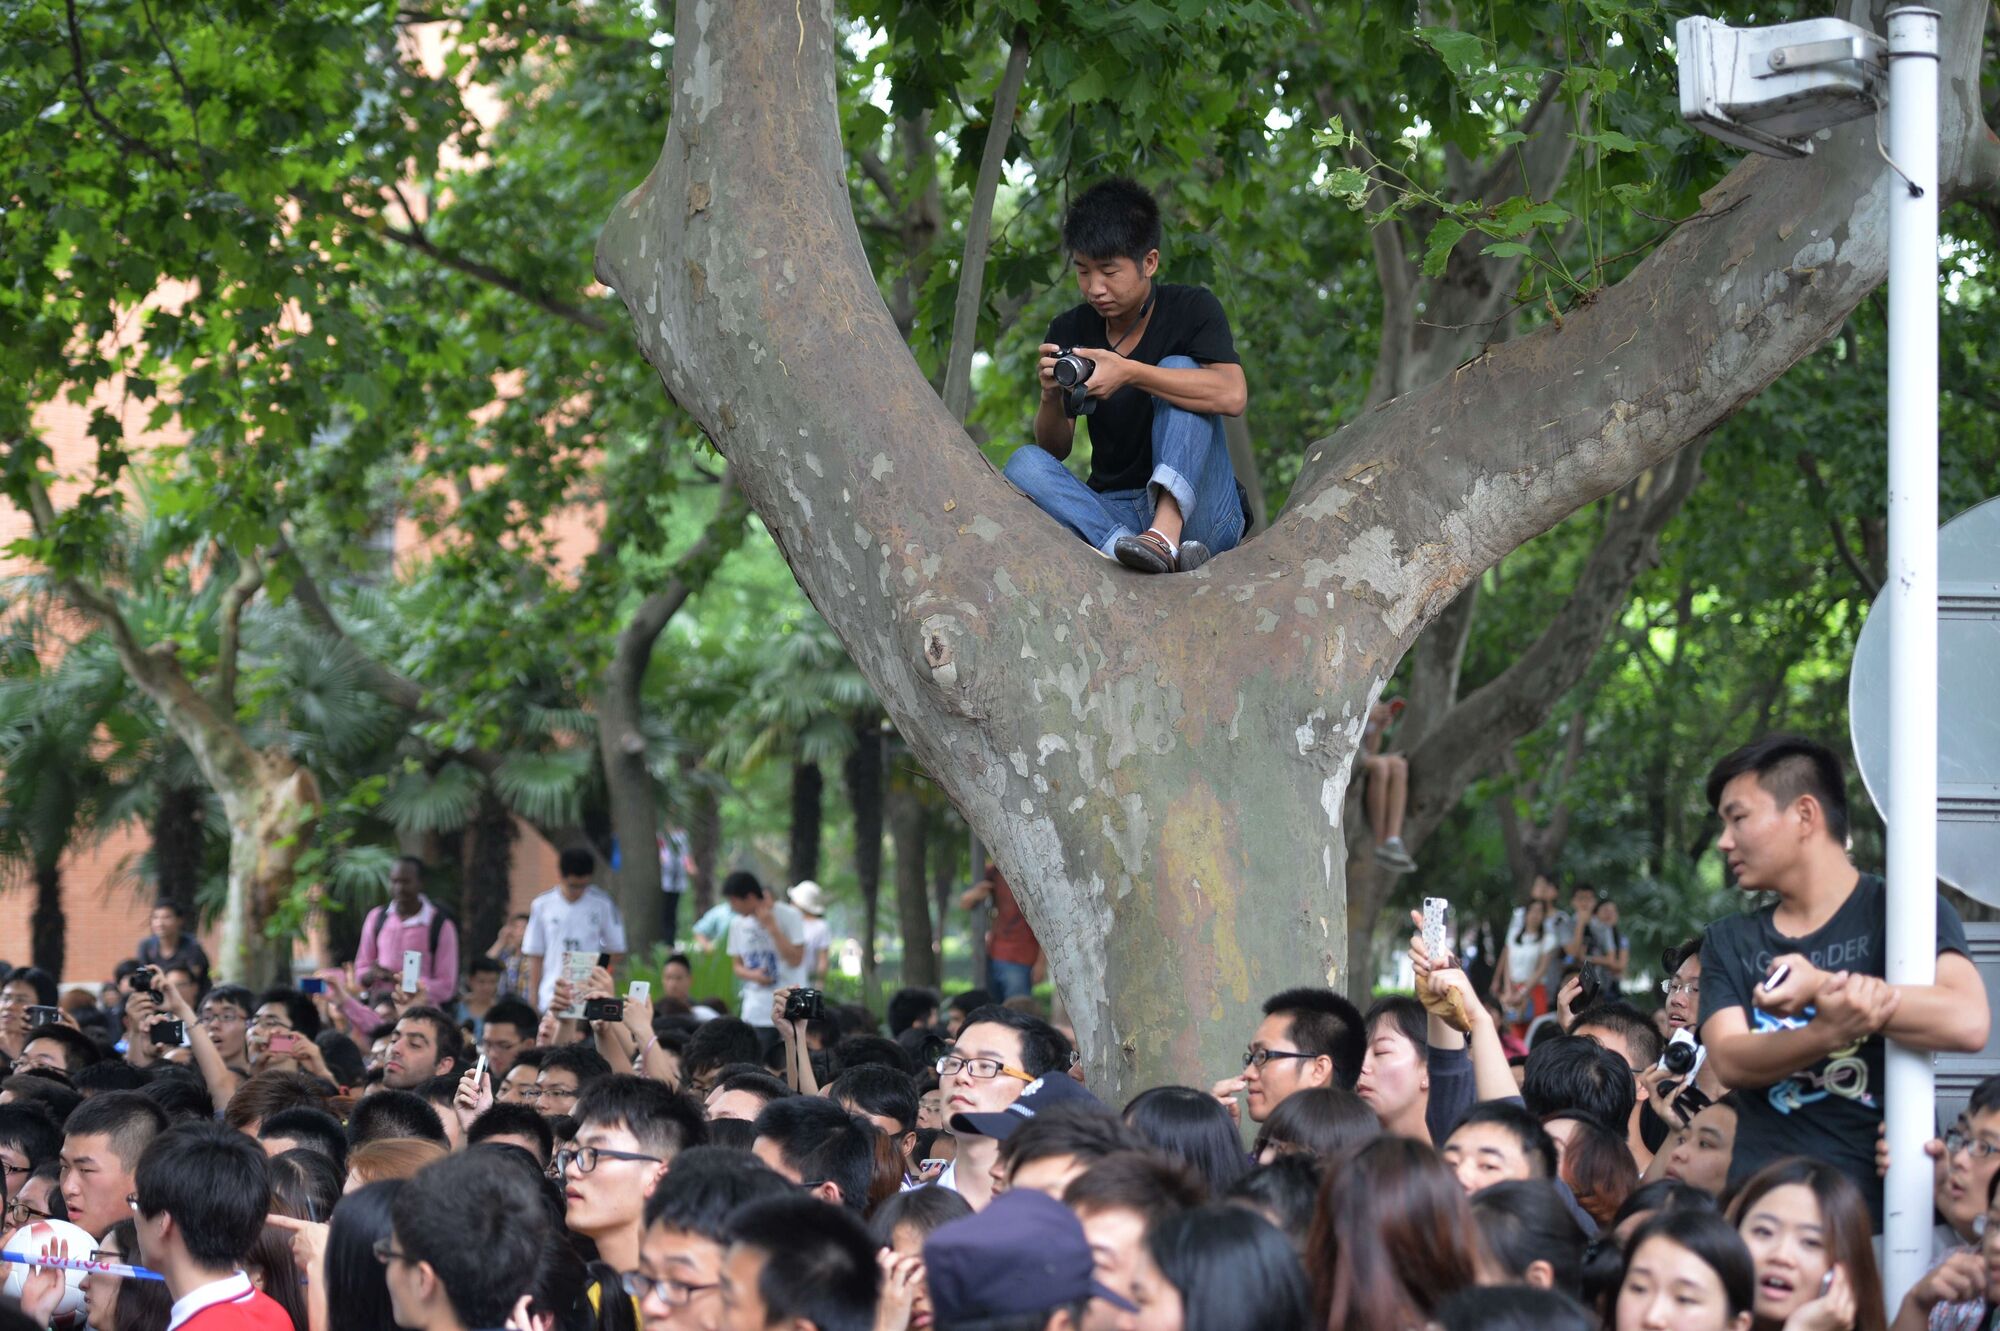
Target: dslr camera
[
  {"x": 1072, "y": 374},
  {"x": 806, "y": 1004}
]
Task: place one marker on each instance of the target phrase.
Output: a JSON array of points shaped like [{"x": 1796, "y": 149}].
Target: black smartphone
[
  {"x": 604, "y": 960},
  {"x": 604, "y": 1009},
  {"x": 44, "y": 1016},
  {"x": 168, "y": 1032}
]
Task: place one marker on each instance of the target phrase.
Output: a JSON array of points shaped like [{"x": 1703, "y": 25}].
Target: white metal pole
[{"x": 1910, "y": 600}]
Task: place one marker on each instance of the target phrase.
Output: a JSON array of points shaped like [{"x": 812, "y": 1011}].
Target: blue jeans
[
  {"x": 1190, "y": 462},
  {"x": 1008, "y": 979}
]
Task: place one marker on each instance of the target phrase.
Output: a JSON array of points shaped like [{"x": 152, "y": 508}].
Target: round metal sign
[{"x": 1968, "y": 827}]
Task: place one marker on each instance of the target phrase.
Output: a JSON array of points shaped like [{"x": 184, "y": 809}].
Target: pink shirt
[{"x": 387, "y": 935}]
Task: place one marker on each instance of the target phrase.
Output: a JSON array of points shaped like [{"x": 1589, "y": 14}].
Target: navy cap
[
  {"x": 1057, "y": 1088},
  {"x": 1025, "y": 1253}
]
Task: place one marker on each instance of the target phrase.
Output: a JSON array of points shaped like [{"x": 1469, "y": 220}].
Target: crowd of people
[{"x": 406, "y": 1142}]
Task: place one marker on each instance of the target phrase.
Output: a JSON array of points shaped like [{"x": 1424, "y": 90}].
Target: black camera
[
  {"x": 168, "y": 1032},
  {"x": 1587, "y": 990},
  {"x": 806, "y": 1004},
  {"x": 604, "y": 1009},
  {"x": 1072, "y": 373},
  {"x": 142, "y": 980}
]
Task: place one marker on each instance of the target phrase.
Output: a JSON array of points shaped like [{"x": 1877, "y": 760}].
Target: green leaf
[
  {"x": 1508, "y": 249},
  {"x": 1461, "y": 50},
  {"x": 1518, "y": 216},
  {"x": 1612, "y": 141},
  {"x": 1446, "y": 234}
]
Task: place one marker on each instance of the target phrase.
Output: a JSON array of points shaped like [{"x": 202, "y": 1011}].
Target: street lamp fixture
[{"x": 1769, "y": 90}]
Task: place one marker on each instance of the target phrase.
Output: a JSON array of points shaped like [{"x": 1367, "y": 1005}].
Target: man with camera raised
[{"x": 1153, "y": 367}]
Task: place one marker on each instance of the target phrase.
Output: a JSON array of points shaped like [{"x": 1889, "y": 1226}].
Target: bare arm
[
  {"x": 1219, "y": 389},
  {"x": 975, "y": 894},
  {"x": 1950, "y": 1016},
  {"x": 532, "y": 966},
  {"x": 1848, "y": 1009},
  {"x": 1055, "y": 430}
]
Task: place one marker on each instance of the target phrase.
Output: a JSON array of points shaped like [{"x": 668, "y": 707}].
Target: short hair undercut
[
  {"x": 1113, "y": 219},
  {"x": 1788, "y": 767},
  {"x": 1324, "y": 1022}
]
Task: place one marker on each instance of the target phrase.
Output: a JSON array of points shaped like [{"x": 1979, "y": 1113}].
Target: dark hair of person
[
  {"x": 907, "y": 1007},
  {"x": 142, "y": 1305},
  {"x": 1393, "y": 1237},
  {"x": 1524, "y": 1221},
  {"x": 79, "y": 1051},
  {"x": 235, "y": 995},
  {"x": 513, "y": 1120},
  {"x": 214, "y": 1182},
  {"x": 1324, "y": 1022},
  {"x": 305, "y": 1184},
  {"x": 1627, "y": 1021},
  {"x": 760, "y": 1084},
  {"x": 485, "y": 965},
  {"x": 1513, "y": 1308},
  {"x": 1286, "y": 1191},
  {"x": 480, "y": 1226},
  {"x": 271, "y": 1255},
  {"x": 1711, "y": 1239},
  {"x": 1673, "y": 957},
  {"x": 1985, "y": 1097},
  {"x": 1844, "y": 1226},
  {"x": 678, "y": 959},
  {"x": 706, "y": 1185},
  {"x": 357, "y": 1286},
  {"x": 51, "y": 1172},
  {"x": 393, "y": 1113},
  {"x": 970, "y": 1001},
  {"x": 1597, "y": 1165},
  {"x": 823, "y": 1143},
  {"x": 720, "y": 1042},
  {"x": 1411, "y": 1022},
  {"x": 299, "y": 1009},
  {"x": 922, "y": 1209},
  {"x": 576, "y": 861},
  {"x": 181, "y": 1093},
  {"x": 819, "y": 1265},
  {"x": 1141, "y": 1181},
  {"x": 1043, "y": 1048},
  {"x": 27, "y": 1128},
  {"x": 270, "y": 1093},
  {"x": 44, "y": 1087},
  {"x": 1233, "y": 1269},
  {"x": 1087, "y": 1132},
  {"x": 1570, "y": 1072},
  {"x": 1321, "y": 1121},
  {"x": 742, "y": 884},
  {"x": 109, "y": 1075},
  {"x": 1536, "y": 1145},
  {"x": 47, "y": 993},
  {"x": 1666, "y": 1194},
  {"x": 732, "y": 1134},
  {"x": 314, "y": 1129},
  {"x": 445, "y": 1032},
  {"x": 1113, "y": 219},
  {"x": 868, "y": 1050},
  {"x": 875, "y": 1089},
  {"x": 513, "y": 1012},
  {"x": 663, "y": 1122},
  {"x": 1788, "y": 767},
  {"x": 588, "y": 1065},
  {"x": 127, "y": 1119},
  {"x": 1194, "y": 1128}
]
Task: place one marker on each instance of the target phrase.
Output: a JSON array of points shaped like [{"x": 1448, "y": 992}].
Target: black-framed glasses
[
  {"x": 673, "y": 1293},
  {"x": 24, "y": 1214},
  {"x": 264, "y": 1023},
  {"x": 11, "y": 1170},
  {"x": 585, "y": 1158},
  {"x": 1956, "y": 1141},
  {"x": 385, "y": 1251},
  {"x": 1257, "y": 1058},
  {"x": 979, "y": 1069}
]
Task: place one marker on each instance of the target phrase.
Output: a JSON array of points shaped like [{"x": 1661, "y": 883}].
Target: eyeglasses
[
  {"x": 1257, "y": 1058},
  {"x": 585, "y": 1158},
  {"x": 557, "y": 1092},
  {"x": 271, "y": 1023},
  {"x": 673, "y": 1293},
  {"x": 8, "y": 1169},
  {"x": 1672, "y": 987},
  {"x": 385, "y": 1253},
  {"x": 23, "y": 1214},
  {"x": 979, "y": 1069},
  {"x": 1956, "y": 1141}
]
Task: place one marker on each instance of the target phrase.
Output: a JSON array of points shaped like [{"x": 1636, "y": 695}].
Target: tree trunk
[
  {"x": 808, "y": 811},
  {"x": 179, "y": 846},
  {"x": 48, "y": 929},
  {"x": 1188, "y": 786},
  {"x": 913, "y": 901},
  {"x": 704, "y": 828},
  {"x": 270, "y": 826},
  {"x": 489, "y": 866},
  {"x": 863, "y": 773}
]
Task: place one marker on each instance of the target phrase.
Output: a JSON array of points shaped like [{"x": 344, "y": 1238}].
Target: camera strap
[{"x": 1152, "y": 294}]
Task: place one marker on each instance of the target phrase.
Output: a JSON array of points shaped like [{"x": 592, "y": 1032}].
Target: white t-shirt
[
  {"x": 557, "y": 925},
  {"x": 752, "y": 945},
  {"x": 819, "y": 941},
  {"x": 1526, "y": 956}
]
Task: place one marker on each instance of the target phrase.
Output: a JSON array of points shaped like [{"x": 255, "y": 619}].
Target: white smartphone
[
  {"x": 479, "y": 1071},
  {"x": 1779, "y": 974},
  {"x": 1437, "y": 930},
  {"x": 413, "y": 971},
  {"x": 638, "y": 991}
]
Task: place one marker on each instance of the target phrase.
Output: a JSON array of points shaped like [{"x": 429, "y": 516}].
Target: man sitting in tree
[{"x": 1161, "y": 374}]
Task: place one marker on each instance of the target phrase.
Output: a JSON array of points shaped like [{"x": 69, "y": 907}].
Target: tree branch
[
  {"x": 229, "y": 626},
  {"x": 877, "y": 171},
  {"x": 1816, "y": 482},
  {"x": 78, "y": 65},
  {"x": 978, "y": 226},
  {"x": 473, "y": 268},
  {"x": 398, "y": 688}
]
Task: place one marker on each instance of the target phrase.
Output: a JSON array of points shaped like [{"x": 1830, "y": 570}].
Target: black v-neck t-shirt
[{"x": 1186, "y": 321}]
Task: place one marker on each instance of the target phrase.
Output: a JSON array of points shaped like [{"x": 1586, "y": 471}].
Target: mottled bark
[{"x": 1169, "y": 755}]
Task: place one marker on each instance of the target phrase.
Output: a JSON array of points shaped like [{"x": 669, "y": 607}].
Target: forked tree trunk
[{"x": 1160, "y": 765}]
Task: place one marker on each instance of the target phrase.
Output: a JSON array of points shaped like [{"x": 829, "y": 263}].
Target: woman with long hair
[
  {"x": 1520, "y": 977},
  {"x": 1807, "y": 1228},
  {"x": 1393, "y": 1237},
  {"x": 1685, "y": 1271},
  {"x": 112, "y": 1303},
  {"x": 1320, "y": 1121},
  {"x": 1195, "y": 1129},
  {"x": 357, "y": 1288},
  {"x": 1597, "y": 1165},
  {"x": 1220, "y": 1268}
]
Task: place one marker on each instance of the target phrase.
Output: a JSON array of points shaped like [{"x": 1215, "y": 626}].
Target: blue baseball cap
[
  {"x": 1025, "y": 1253},
  {"x": 1056, "y": 1088}
]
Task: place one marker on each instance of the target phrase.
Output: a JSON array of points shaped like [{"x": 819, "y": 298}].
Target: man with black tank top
[{"x": 1163, "y": 372}]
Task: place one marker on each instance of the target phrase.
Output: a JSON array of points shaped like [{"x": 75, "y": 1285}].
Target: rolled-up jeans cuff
[
  {"x": 1167, "y": 479},
  {"x": 1110, "y": 546}
]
